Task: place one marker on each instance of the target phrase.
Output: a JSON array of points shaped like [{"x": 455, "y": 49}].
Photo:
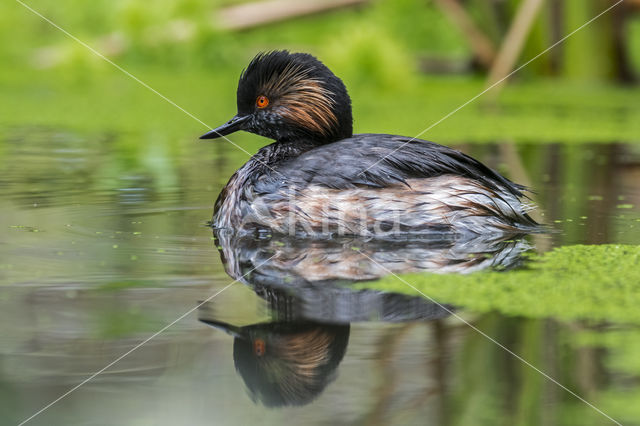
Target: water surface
[{"x": 101, "y": 248}]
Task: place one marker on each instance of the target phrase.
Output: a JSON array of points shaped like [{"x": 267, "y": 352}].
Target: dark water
[{"x": 103, "y": 246}]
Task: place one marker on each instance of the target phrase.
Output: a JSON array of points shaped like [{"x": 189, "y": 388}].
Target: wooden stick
[
  {"x": 513, "y": 43},
  {"x": 250, "y": 15},
  {"x": 482, "y": 47}
]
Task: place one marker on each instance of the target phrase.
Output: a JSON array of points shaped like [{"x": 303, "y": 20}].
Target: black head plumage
[{"x": 286, "y": 96}]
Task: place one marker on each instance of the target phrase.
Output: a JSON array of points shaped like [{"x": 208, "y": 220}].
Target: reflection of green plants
[
  {"x": 623, "y": 349},
  {"x": 124, "y": 285},
  {"x": 597, "y": 284},
  {"x": 118, "y": 323}
]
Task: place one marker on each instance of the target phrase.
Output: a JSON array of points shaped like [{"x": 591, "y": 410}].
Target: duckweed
[{"x": 572, "y": 282}]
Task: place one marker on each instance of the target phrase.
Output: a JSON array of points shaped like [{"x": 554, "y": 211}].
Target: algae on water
[{"x": 596, "y": 282}]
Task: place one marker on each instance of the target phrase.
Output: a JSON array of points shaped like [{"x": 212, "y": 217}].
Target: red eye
[
  {"x": 262, "y": 101},
  {"x": 259, "y": 347}
]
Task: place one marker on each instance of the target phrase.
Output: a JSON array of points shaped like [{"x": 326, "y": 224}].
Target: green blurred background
[{"x": 407, "y": 63}]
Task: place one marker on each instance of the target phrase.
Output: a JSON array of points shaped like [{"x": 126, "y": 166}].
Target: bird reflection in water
[
  {"x": 307, "y": 285},
  {"x": 286, "y": 363}
]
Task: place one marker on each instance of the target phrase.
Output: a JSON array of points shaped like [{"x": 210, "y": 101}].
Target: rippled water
[{"x": 101, "y": 248}]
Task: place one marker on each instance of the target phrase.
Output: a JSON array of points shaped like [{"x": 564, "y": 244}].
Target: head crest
[{"x": 303, "y": 96}]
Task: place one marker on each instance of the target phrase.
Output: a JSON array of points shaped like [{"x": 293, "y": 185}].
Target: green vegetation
[
  {"x": 174, "y": 47},
  {"x": 534, "y": 112},
  {"x": 600, "y": 283},
  {"x": 595, "y": 290}
]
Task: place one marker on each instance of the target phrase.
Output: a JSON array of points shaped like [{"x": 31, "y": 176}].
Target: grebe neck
[{"x": 285, "y": 149}]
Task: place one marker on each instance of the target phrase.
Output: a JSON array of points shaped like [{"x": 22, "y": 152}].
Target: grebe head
[{"x": 286, "y": 96}]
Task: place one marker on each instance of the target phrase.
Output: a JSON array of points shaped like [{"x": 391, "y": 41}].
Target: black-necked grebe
[{"x": 319, "y": 178}]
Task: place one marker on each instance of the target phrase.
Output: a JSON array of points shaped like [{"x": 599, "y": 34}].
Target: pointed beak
[{"x": 233, "y": 125}]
